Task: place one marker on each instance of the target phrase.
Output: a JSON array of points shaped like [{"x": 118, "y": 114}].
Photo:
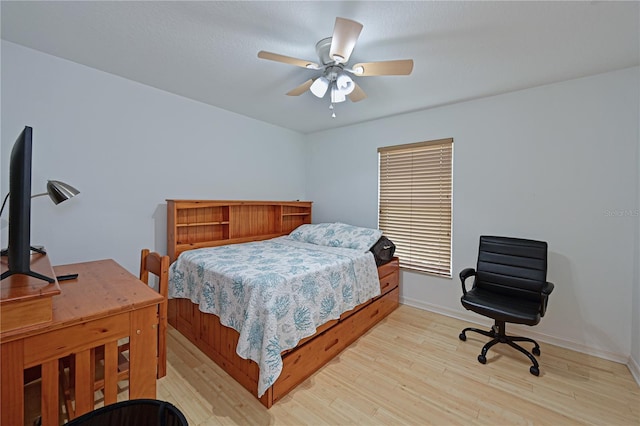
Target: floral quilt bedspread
[{"x": 274, "y": 292}]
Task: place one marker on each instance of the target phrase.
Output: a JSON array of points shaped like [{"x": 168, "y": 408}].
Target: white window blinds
[{"x": 415, "y": 192}]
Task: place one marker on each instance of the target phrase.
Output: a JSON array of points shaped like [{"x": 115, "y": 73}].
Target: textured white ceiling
[{"x": 207, "y": 50}]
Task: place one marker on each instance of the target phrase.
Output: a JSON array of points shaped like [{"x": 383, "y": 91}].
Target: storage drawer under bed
[{"x": 324, "y": 347}]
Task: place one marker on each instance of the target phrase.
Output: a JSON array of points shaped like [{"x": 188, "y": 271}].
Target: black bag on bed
[{"x": 383, "y": 250}]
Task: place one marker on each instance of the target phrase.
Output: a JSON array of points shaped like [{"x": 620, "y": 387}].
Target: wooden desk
[{"x": 106, "y": 303}]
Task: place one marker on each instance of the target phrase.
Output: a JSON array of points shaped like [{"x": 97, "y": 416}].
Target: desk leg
[
  {"x": 12, "y": 383},
  {"x": 110, "y": 372},
  {"x": 84, "y": 382},
  {"x": 143, "y": 361},
  {"x": 49, "y": 393}
]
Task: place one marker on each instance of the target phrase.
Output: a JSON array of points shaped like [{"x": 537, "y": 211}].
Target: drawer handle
[
  {"x": 385, "y": 285},
  {"x": 330, "y": 345},
  {"x": 376, "y": 312}
]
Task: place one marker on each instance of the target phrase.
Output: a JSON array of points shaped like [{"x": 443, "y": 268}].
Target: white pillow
[{"x": 337, "y": 235}]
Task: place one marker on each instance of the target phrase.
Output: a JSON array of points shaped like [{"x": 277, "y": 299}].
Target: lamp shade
[
  {"x": 345, "y": 84},
  {"x": 337, "y": 95},
  {"x": 320, "y": 86},
  {"x": 60, "y": 191}
]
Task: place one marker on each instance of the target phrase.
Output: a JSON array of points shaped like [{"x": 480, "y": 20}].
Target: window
[{"x": 415, "y": 192}]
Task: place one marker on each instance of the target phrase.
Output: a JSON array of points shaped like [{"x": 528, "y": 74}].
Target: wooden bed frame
[{"x": 205, "y": 223}]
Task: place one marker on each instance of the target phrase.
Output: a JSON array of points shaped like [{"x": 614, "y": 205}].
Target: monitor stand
[{"x": 37, "y": 249}]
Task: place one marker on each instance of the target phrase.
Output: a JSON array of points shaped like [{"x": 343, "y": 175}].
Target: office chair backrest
[{"x": 512, "y": 266}]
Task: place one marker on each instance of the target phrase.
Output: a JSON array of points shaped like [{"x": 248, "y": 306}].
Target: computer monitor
[{"x": 19, "y": 250}]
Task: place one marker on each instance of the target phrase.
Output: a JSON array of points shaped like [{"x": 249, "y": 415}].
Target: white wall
[
  {"x": 128, "y": 147},
  {"x": 634, "y": 362},
  {"x": 552, "y": 163}
]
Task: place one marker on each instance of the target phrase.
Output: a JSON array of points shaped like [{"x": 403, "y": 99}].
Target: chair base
[{"x": 498, "y": 334}]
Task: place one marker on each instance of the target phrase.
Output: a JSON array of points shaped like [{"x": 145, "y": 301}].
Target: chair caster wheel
[
  {"x": 462, "y": 337},
  {"x": 534, "y": 370},
  {"x": 536, "y": 351},
  {"x": 482, "y": 359}
]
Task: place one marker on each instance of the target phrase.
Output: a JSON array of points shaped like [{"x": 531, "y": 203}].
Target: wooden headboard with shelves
[{"x": 193, "y": 224}]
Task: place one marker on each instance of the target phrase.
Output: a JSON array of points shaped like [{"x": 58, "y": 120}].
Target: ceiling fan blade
[
  {"x": 357, "y": 94},
  {"x": 301, "y": 89},
  {"x": 287, "y": 60},
  {"x": 345, "y": 36},
  {"x": 399, "y": 67}
]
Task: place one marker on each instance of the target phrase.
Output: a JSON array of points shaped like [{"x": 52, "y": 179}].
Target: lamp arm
[
  {"x": 7, "y": 197},
  {"x": 56, "y": 190}
]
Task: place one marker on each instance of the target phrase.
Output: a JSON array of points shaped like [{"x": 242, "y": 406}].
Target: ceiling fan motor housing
[
  {"x": 331, "y": 73},
  {"x": 322, "y": 49}
]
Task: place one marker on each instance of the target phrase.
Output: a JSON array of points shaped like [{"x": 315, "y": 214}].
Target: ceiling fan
[{"x": 334, "y": 53}]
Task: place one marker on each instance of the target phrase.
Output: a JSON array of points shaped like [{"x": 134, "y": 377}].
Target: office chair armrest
[
  {"x": 546, "y": 291},
  {"x": 466, "y": 273}
]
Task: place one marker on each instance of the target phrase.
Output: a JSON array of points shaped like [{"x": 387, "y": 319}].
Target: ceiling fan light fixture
[
  {"x": 337, "y": 95},
  {"x": 338, "y": 58},
  {"x": 345, "y": 84},
  {"x": 319, "y": 87}
]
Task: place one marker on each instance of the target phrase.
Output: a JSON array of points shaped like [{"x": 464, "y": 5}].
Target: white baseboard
[
  {"x": 634, "y": 367},
  {"x": 529, "y": 332}
]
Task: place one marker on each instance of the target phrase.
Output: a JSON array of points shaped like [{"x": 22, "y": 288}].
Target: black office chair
[
  {"x": 133, "y": 412},
  {"x": 510, "y": 285}
]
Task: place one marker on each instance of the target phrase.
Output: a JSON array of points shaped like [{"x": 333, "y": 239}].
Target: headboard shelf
[
  {"x": 195, "y": 224},
  {"x": 180, "y": 225}
]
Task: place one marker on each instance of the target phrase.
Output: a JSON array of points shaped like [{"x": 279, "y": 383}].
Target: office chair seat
[{"x": 501, "y": 307}]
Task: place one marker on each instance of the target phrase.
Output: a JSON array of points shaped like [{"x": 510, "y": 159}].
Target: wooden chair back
[{"x": 154, "y": 263}]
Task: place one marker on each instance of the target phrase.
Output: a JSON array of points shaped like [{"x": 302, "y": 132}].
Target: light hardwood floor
[{"x": 412, "y": 369}]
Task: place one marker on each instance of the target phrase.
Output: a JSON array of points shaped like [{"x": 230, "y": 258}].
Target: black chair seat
[{"x": 502, "y": 307}]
